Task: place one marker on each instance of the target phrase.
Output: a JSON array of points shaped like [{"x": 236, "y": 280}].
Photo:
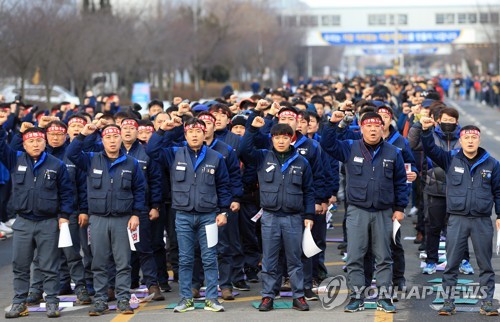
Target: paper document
[
  {"x": 133, "y": 237},
  {"x": 212, "y": 234},
  {"x": 308, "y": 245},
  {"x": 498, "y": 241},
  {"x": 395, "y": 228},
  {"x": 257, "y": 215},
  {"x": 65, "y": 236}
]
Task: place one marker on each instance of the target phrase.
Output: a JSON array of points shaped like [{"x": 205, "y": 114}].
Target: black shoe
[
  {"x": 277, "y": 295},
  {"x": 65, "y": 289},
  {"x": 124, "y": 307},
  {"x": 241, "y": 286},
  {"x": 53, "y": 310},
  {"x": 300, "y": 304},
  {"x": 165, "y": 287},
  {"x": 90, "y": 289},
  {"x": 111, "y": 294},
  {"x": 99, "y": 308},
  {"x": 16, "y": 311},
  {"x": 342, "y": 245},
  {"x": 34, "y": 298},
  {"x": 266, "y": 304},
  {"x": 134, "y": 285},
  {"x": 251, "y": 274},
  {"x": 310, "y": 295},
  {"x": 286, "y": 286},
  {"x": 422, "y": 247},
  {"x": 82, "y": 296}
]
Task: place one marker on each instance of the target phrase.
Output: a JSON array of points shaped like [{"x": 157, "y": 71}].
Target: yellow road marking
[
  {"x": 334, "y": 263},
  {"x": 381, "y": 316},
  {"x": 127, "y": 317}
]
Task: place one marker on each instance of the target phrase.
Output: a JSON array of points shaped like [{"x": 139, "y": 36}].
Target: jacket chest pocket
[
  {"x": 179, "y": 174},
  {"x": 96, "y": 180},
  {"x": 297, "y": 177},
  {"x": 357, "y": 169},
  {"x": 456, "y": 179},
  {"x": 19, "y": 177},
  {"x": 268, "y": 176},
  {"x": 126, "y": 178},
  {"x": 208, "y": 177},
  {"x": 388, "y": 170},
  {"x": 49, "y": 181}
]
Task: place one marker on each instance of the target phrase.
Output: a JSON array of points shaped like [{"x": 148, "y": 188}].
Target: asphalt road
[{"x": 241, "y": 310}]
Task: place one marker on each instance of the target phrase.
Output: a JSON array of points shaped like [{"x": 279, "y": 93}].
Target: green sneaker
[
  {"x": 386, "y": 305},
  {"x": 184, "y": 306},
  {"x": 448, "y": 308},
  {"x": 213, "y": 305},
  {"x": 488, "y": 309},
  {"x": 354, "y": 305},
  {"x": 99, "y": 308},
  {"x": 16, "y": 311},
  {"x": 53, "y": 310}
]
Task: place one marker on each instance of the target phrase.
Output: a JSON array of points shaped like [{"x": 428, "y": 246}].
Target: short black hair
[
  {"x": 122, "y": 115},
  {"x": 281, "y": 129},
  {"x": 145, "y": 123},
  {"x": 155, "y": 102},
  {"x": 470, "y": 127},
  {"x": 449, "y": 111},
  {"x": 305, "y": 115},
  {"x": 315, "y": 115}
]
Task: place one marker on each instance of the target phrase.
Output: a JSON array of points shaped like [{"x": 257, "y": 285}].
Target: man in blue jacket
[
  {"x": 43, "y": 200},
  {"x": 287, "y": 199},
  {"x": 201, "y": 194},
  {"x": 116, "y": 191},
  {"x": 144, "y": 258},
  {"x": 377, "y": 194},
  {"x": 472, "y": 187}
]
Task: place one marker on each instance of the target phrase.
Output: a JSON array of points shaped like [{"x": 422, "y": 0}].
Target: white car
[{"x": 37, "y": 93}]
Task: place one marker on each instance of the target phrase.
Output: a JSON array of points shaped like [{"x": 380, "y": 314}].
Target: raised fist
[
  {"x": 261, "y": 105},
  {"x": 25, "y": 126},
  {"x": 258, "y": 122},
  {"x": 337, "y": 116},
  {"x": 426, "y": 122},
  {"x": 88, "y": 129}
]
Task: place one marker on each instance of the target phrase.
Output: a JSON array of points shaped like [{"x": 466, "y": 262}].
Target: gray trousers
[
  {"x": 480, "y": 230},
  {"x": 109, "y": 234},
  {"x": 362, "y": 224},
  {"x": 44, "y": 236},
  {"x": 70, "y": 258}
]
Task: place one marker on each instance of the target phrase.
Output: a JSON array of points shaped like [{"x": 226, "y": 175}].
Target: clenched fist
[{"x": 258, "y": 122}]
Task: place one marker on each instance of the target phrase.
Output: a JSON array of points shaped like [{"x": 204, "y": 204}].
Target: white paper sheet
[
  {"x": 395, "y": 228},
  {"x": 498, "y": 241},
  {"x": 308, "y": 245},
  {"x": 133, "y": 237},
  {"x": 64, "y": 236},
  {"x": 212, "y": 234},
  {"x": 257, "y": 215}
]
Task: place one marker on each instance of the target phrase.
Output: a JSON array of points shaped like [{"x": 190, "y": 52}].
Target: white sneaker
[
  {"x": 413, "y": 211},
  {"x": 10, "y": 222},
  {"x": 5, "y": 228}
]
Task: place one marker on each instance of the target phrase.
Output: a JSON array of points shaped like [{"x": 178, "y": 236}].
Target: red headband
[
  {"x": 384, "y": 110},
  {"x": 56, "y": 128},
  {"x": 77, "y": 120},
  {"x": 206, "y": 117},
  {"x": 148, "y": 128},
  {"x": 111, "y": 130},
  {"x": 473, "y": 132},
  {"x": 195, "y": 126},
  {"x": 288, "y": 114},
  {"x": 33, "y": 135},
  {"x": 372, "y": 120},
  {"x": 130, "y": 122}
]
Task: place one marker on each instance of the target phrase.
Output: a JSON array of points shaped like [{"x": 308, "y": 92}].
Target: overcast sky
[{"x": 396, "y": 3}]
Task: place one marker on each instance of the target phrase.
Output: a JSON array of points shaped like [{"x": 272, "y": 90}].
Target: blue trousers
[
  {"x": 143, "y": 258},
  {"x": 42, "y": 235},
  {"x": 282, "y": 232},
  {"x": 190, "y": 230}
]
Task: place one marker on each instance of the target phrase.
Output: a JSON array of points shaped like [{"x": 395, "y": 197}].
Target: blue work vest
[
  {"x": 109, "y": 190},
  {"x": 35, "y": 187},
  {"x": 370, "y": 184},
  {"x": 193, "y": 185},
  {"x": 281, "y": 185},
  {"x": 468, "y": 189}
]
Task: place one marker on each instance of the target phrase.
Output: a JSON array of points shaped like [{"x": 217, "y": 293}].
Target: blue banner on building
[{"x": 387, "y": 37}]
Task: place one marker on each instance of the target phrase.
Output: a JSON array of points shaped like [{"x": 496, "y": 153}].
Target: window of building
[
  {"x": 462, "y": 18},
  {"x": 439, "y": 18},
  {"x": 290, "y": 21},
  {"x": 402, "y": 20},
  {"x": 494, "y": 18},
  {"x": 391, "y": 20},
  {"x": 372, "y": 20},
  {"x": 483, "y": 17},
  {"x": 330, "y": 20},
  {"x": 449, "y": 18},
  {"x": 308, "y": 21},
  {"x": 472, "y": 18}
]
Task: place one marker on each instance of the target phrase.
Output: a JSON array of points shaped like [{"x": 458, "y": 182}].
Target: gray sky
[{"x": 396, "y": 3}]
